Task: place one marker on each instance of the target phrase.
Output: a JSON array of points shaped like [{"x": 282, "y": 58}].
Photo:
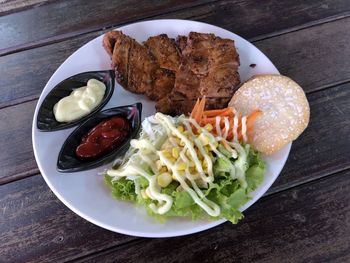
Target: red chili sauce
[{"x": 103, "y": 138}]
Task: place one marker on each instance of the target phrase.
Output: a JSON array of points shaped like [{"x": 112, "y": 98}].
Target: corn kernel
[
  {"x": 163, "y": 169},
  {"x": 208, "y": 127},
  {"x": 203, "y": 139},
  {"x": 205, "y": 164},
  {"x": 193, "y": 170},
  {"x": 172, "y": 159},
  {"x": 191, "y": 164},
  {"x": 175, "y": 152},
  {"x": 167, "y": 153},
  {"x": 182, "y": 166},
  {"x": 144, "y": 194},
  {"x": 164, "y": 179},
  {"x": 180, "y": 128}
]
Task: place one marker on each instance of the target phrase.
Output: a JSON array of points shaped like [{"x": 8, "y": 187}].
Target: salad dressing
[
  {"x": 234, "y": 129},
  {"x": 244, "y": 128},
  {"x": 144, "y": 146},
  {"x": 80, "y": 102}
]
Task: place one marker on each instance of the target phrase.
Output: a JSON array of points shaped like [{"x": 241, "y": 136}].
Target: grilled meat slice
[
  {"x": 186, "y": 83},
  {"x": 120, "y": 58},
  {"x": 163, "y": 83},
  {"x": 221, "y": 82},
  {"x": 177, "y": 107},
  {"x": 224, "y": 52},
  {"x": 165, "y": 51},
  {"x": 109, "y": 40},
  {"x": 176, "y": 75},
  {"x": 209, "y": 68},
  {"x": 133, "y": 63},
  {"x": 181, "y": 42},
  {"x": 197, "y": 52}
]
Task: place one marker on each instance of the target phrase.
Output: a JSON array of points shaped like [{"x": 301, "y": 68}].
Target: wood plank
[
  {"x": 315, "y": 57},
  {"x": 27, "y": 72},
  {"x": 307, "y": 50},
  {"x": 62, "y": 19},
  {"x": 244, "y": 17},
  {"x": 308, "y": 161},
  {"x": 36, "y": 227},
  {"x": 16, "y": 155},
  {"x": 11, "y": 6},
  {"x": 310, "y": 223},
  {"x": 255, "y": 21}
]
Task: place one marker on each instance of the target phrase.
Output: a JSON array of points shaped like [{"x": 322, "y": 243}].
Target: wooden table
[{"x": 304, "y": 217}]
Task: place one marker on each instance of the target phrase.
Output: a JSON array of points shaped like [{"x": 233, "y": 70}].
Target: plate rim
[{"x": 87, "y": 217}]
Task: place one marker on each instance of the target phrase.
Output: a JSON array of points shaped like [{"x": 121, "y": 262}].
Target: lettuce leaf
[{"x": 224, "y": 191}]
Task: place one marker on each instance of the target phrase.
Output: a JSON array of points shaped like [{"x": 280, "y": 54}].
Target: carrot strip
[
  {"x": 213, "y": 113},
  {"x": 199, "y": 114},
  {"x": 194, "y": 110},
  {"x": 251, "y": 118},
  {"x": 225, "y": 144}
]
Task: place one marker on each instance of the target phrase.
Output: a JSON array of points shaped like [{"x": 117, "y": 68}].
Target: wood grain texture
[
  {"x": 320, "y": 51},
  {"x": 308, "y": 50},
  {"x": 76, "y": 17},
  {"x": 309, "y": 160},
  {"x": 11, "y": 6},
  {"x": 244, "y": 17},
  {"x": 27, "y": 72},
  {"x": 253, "y": 20},
  {"x": 36, "y": 227},
  {"x": 310, "y": 223},
  {"x": 16, "y": 155}
]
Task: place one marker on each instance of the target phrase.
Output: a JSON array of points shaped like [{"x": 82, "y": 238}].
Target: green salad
[{"x": 178, "y": 168}]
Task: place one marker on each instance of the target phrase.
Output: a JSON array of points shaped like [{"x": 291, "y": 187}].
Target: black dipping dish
[
  {"x": 46, "y": 119},
  {"x": 67, "y": 158}
]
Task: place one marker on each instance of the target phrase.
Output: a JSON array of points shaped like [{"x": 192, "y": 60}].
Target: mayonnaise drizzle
[
  {"x": 234, "y": 128},
  {"x": 244, "y": 128},
  {"x": 136, "y": 163},
  {"x": 217, "y": 125},
  {"x": 227, "y": 127}
]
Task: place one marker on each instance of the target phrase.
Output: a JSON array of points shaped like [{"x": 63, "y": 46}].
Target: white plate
[{"x": 85, "y": 192}]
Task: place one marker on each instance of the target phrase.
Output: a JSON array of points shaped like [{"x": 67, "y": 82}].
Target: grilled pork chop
[
  {"x": 209, "y": 68},
  {"x": 167, "y": 55},
  {"x": 165, "y": 51},
  {"x": 173, "y": 73}
]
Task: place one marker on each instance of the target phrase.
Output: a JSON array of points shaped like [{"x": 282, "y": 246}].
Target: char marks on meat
[
  {"x": 176, "y": 73},
  {"x": 165, "y": 51}
]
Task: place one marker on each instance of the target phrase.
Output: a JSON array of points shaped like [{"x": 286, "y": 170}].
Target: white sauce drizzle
[
  {"x": 134, "y": 166},
  {"x": 217, "y": 125},
  {"x": 244, "y": 128},
  {"x": 234, "y": 129},
  {"x": 227, "y": 127}
]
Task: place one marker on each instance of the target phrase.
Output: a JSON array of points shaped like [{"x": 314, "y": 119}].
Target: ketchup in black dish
[{"x": 103, "y": 138}]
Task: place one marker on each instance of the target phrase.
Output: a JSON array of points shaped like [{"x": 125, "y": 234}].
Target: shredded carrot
[
  {"x": 213, "y": 113},
  {"x": 252, "y": 117},
  {"x": 225, "y": 144},
  {"x": 204, "y": 117},
  {"x": 199, "y": 114}
]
